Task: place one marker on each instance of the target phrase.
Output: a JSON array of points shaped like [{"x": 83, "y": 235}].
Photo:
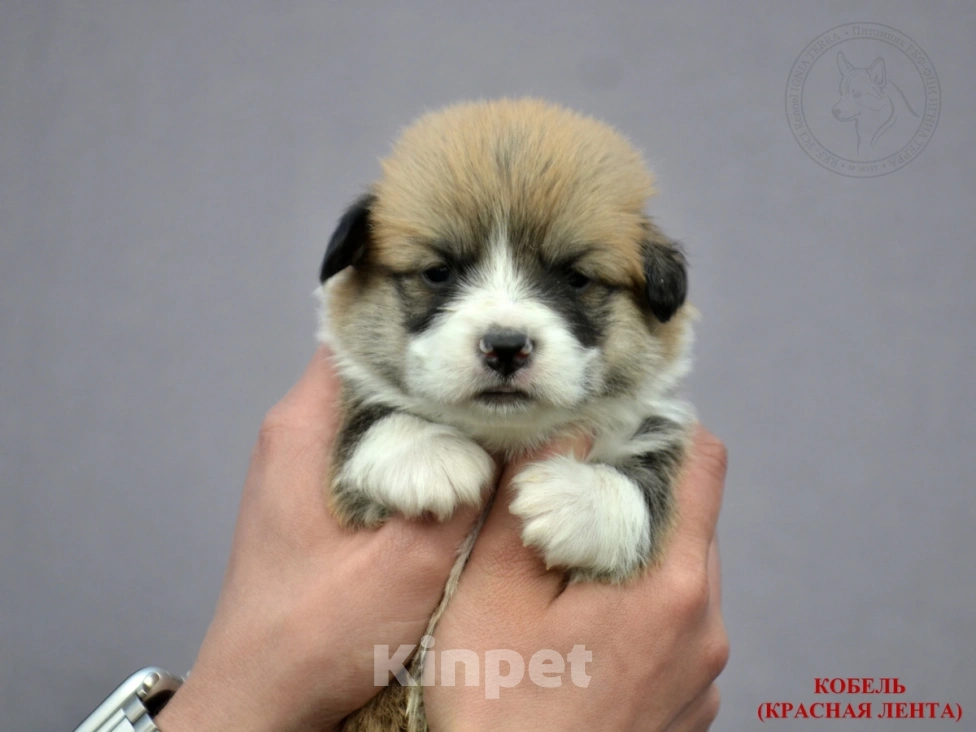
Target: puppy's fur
[{"x": 493, "y": 221}]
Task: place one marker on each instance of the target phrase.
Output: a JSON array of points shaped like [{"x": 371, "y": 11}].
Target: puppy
[{"x": 498, "y": 286}]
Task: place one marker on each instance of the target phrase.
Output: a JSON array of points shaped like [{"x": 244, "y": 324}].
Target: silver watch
[{"x": 131, "y": 707}]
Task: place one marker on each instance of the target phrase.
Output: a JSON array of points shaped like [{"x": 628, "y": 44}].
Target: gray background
[{"x": 169, "y": 172}]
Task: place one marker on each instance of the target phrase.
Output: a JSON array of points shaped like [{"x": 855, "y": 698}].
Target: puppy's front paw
[
  {"x": 588, "y": 518},
  {"x": 407, "y": 465}
]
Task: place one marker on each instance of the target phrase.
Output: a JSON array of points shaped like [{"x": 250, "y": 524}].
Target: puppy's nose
[{"x": 505, "y": 351}]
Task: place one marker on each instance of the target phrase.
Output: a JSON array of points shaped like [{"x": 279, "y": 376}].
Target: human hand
[
  {"x": 304, "y": 601},
  {"x": 657, "y": 643}
]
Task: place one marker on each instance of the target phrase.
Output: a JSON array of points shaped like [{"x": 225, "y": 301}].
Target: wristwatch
[{"x": 131, "y": 707}]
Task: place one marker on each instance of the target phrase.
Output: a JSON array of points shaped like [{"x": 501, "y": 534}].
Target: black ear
[
  {"x": 349, "y": 240},
  {"x": 666, "y": 271}
]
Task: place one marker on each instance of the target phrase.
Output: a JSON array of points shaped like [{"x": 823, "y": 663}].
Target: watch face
[
  {"x": 152, "y": 686},
  {"x": 159, "y": 687}
]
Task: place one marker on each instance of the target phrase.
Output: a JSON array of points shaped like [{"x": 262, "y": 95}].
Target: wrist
[
  {"x": 193, "y": 710},
  {"x": 249, "y": 700},
  {"x": 208, "y": 702}
]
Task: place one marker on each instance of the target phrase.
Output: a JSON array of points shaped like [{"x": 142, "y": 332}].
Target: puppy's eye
[
  {"x": 578, "y": 281},
  {"x": 438, "y": 276}
]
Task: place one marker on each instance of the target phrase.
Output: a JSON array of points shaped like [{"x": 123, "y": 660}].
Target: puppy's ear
[
  {"x": 666, "y": 275},
  {"x": 349, "y": 240}
]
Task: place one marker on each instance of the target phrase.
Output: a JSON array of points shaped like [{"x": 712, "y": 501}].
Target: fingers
[
  {"x": 311, "y": 402},
  {"x": 499, "y": 556},
  {"x": 430, "y": 547},
  {"x": 699, "y": 494},
  {"x": 712, "y": 657},
  {"x": 290, "y": 462},
  {"x": 699, "y": 715},
  {"x": 688, "y": 579},
  {"x": 717, "y": 638},
  {"x": 714, "y": 575}
]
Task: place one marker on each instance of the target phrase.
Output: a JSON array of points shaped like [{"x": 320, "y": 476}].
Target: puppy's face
[{"x": 503, "y": 267}]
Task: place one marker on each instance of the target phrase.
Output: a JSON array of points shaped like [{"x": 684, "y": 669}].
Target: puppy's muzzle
[{"x": 506, "y": 351}]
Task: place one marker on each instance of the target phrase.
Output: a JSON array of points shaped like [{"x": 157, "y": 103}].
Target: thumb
[{"x": 500, "y": 557}]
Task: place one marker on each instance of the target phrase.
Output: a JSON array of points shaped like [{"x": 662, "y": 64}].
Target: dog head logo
[
  {"x": 862, "y": 99},
  {"x": 872, "y": 100}
]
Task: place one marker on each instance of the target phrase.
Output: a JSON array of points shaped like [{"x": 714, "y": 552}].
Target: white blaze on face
[{"x": 444, "y": 362}]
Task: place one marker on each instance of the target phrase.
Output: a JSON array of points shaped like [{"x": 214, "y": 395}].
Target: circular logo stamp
[{"x": 863, "y": 99}]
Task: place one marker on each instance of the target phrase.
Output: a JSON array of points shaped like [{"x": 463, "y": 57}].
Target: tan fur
[
  {"x": 576, "y": 179},
  {"x": 670, "y": 334},
  {"x": 385, "y": 712},
  {"x": 366, "y": 296}
]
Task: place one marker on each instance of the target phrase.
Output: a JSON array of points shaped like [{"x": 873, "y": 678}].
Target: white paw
[
  {"x": 589, "y": 518},
  {"x": 413, "y": 467}
]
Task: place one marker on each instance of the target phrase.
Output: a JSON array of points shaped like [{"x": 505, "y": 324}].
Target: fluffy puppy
[{"x": 499, "y": 285}]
